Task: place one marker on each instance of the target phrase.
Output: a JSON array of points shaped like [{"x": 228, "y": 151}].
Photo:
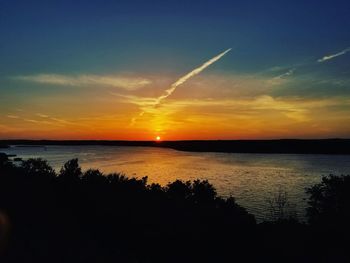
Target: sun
[{"x": 158, "y": 138}]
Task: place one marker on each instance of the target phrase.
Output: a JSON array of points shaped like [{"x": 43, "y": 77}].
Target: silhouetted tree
[
  {"x": 330, "y": 202},
  {"x": 94, "y": 177},
  {"x": 71, "y": 170},
  {"x": 38, "y": 167},
  {"x": 179, "y": 190},
  {"x": 203, "y": 192},
  {"x": 4, "y": 162}
]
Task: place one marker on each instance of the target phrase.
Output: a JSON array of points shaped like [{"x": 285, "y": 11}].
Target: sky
[{"x": 135, "y": 70}]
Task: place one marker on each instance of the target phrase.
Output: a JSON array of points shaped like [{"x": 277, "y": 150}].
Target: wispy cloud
[
  {"x": 296, "y": 109},
  {"x": 286, "y": 74},
  {"x": 54, "y": 120},
  {"x": 12, "y": 116},
  {"x": 43, "y": 122},
  {"x": 282, "y": 77},
  {"x": 42, "y": 115},
  {"x": 124, "y": 82},
  {"x": 328, "y": 57},
  {"x": 44, "y": 119}
]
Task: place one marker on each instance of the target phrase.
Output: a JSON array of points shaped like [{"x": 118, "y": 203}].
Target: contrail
[
  {"x": 343, "y": 52},
  {"x": 286, "y": 74},
  {"x": 182, "y": 80}
]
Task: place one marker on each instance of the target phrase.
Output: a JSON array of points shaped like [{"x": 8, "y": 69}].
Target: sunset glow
[
  {"x": 128, "y": 85},
  {"x": 174, "y": 131}
]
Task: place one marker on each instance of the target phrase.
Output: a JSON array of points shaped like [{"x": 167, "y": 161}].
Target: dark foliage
[
  {"x": 330, "y": 202},
  {"x": 76, "y": 216}
]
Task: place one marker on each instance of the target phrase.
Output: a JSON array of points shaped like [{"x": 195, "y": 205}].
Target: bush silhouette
[
  {"x": 37, "y": 167},
  {"x": 203, "y": 192},
  {"x": 280, "y": 209},
  {"x": 179, "y": 190},
  {"x": 330, "y": 202},
  {"x": 4, "y": 162},
  {"x": 71, "y": 171}
]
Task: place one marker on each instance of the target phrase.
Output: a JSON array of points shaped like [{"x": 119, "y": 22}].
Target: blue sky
[
  {"x": 65, "y": 36},
  {"x": 166, "y": 39}
]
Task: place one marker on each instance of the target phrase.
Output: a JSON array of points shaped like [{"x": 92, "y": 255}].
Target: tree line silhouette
[
  {"x": 296, "y": 146},
  {"x": 76, "y": 216}
]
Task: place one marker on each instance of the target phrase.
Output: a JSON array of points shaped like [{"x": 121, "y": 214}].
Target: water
[{"x": 251, "y": 178}]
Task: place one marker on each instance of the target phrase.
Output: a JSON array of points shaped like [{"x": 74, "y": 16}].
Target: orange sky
[
  {"x": 209, "y": 106},
  {"x": 133, "y": 71}
]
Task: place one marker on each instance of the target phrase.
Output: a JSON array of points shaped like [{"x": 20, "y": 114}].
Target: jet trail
[
  {"x": 182, "y": 80},
  {"x": 343, "y": 52}
]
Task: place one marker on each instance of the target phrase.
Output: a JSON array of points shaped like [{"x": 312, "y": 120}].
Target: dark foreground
[
  {"x": 322, "y": 146},
  {"x": 76, "y": 216}
]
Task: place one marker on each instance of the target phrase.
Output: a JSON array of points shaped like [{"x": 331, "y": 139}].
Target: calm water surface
[{"x": 251, "y": 178}]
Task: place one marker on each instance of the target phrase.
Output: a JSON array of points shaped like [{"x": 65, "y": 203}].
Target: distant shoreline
[{"x": 282, "y": 146}]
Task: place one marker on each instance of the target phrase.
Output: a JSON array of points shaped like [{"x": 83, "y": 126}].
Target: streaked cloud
[
  {"x": 12, "y": 116},
  {"x": 123, "y": 82},
  {"x": 42, "y": 115},
  {"x": 282, "y": 77},
  {"x": 286, "y": 74},
  {"x": 225, "y": 117},
  {"x": 328, "y": 57},
  {"x": 44, "y": 119},
  {"x": 297, "y": 109}
]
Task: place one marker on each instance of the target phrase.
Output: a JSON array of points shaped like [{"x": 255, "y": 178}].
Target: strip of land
[{"x": 291, "y": 146}]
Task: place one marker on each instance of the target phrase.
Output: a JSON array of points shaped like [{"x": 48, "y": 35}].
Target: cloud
[
  {"x": 53, "y": 120},
  {"x": 12, "y": 116},
  {"x": 124, "y": 82},
  {"x": 42, "y": 115},
  {"x": 282, "y": 77},
  {"x": 328, "y": 57},
  {"x": 286, "y": 74},
  {"x": 296, "y": 109},
  {"x": 43, "y": 122},
  {"x": 44, "y": 119}
]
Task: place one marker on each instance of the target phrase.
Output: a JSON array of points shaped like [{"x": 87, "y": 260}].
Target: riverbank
[{"x": 287, "y": 146}]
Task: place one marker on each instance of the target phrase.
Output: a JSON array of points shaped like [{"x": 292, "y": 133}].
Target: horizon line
[{"x": 116, "y": 140}]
